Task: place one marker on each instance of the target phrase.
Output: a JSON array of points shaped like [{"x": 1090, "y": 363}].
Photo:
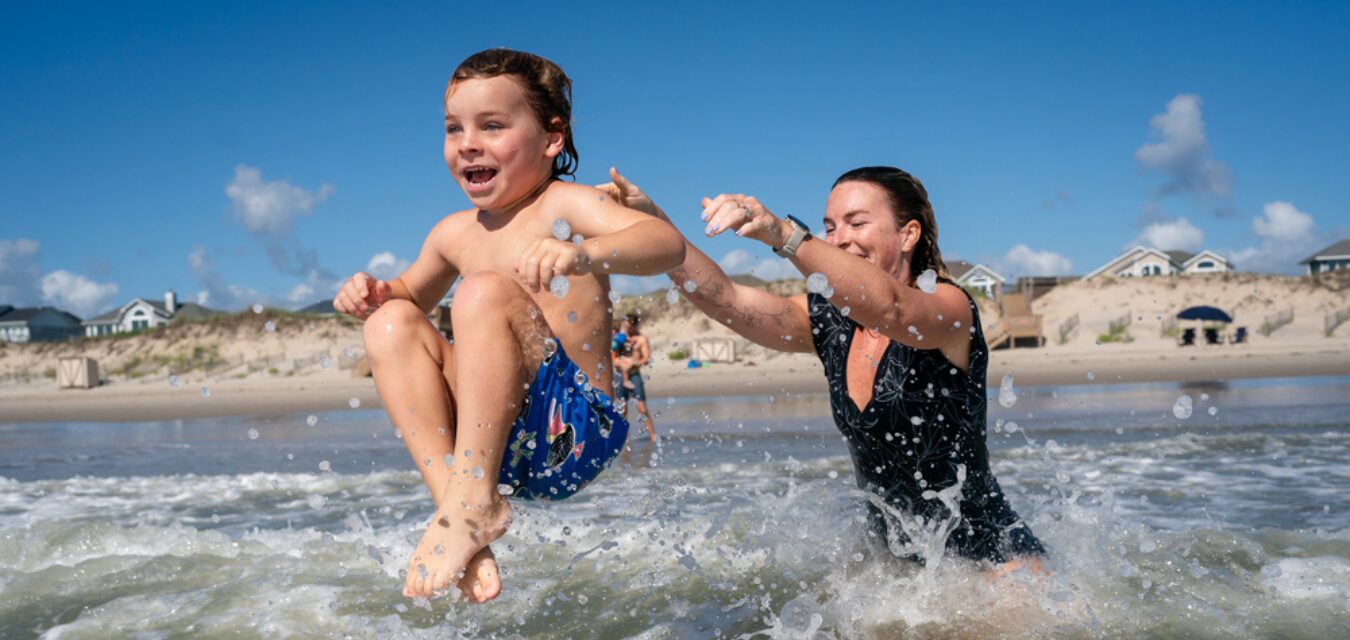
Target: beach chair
[
  {"x": 1187, "y": 337},
  {"x": 1212, "y": 336},
  {"x": 1239, "y": 336}
]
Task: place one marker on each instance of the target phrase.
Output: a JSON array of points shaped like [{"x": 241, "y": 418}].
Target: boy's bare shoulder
[
  {"x": 572, "y": 194},
  {"x": 454, "y": 224}
]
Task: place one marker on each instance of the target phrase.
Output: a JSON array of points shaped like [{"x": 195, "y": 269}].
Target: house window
[
  {"x": 1205, "y": 265},
  {"x": 137, "y": 325}
]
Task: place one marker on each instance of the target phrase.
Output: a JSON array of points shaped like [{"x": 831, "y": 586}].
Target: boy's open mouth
[{"x": 479, "y": 175}]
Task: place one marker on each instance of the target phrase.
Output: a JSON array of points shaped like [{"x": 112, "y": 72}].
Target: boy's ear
[{"x": 556, "y": 136}]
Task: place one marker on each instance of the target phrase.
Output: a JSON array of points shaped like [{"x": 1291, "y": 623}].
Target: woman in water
[{"x": 902, "y": 349}]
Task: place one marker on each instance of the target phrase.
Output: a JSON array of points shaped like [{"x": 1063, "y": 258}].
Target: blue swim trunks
[{"x": 567, "y": 432}]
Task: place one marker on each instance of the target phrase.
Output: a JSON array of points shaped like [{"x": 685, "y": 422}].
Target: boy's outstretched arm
[{"x": 763, "y": 318}]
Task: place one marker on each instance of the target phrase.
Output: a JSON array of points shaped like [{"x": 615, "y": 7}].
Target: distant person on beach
[
  {"x": 517, "y": 405},
  {"x": 636, "y": 352},
  {"x": 902, "y": 349}
]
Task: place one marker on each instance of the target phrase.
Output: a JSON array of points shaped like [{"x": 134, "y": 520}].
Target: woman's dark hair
[
  {"x": 909, "y": 201},
  {"x": 547, "y": 89}
]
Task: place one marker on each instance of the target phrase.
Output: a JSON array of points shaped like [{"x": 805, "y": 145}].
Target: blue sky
[{"x": 260, "y": 152}]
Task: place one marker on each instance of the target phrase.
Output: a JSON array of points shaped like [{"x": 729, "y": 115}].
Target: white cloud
[
  {"x": 301, "y": 294},
  {"x": 221, "y": 295},
  {"x": 1182, "y": 154},
  {"x": 635, "y": 285},
  {"x": 267, "y": 208},
  {"x": 1171, "y": 235},
  {"x": 18, "y": 271},
  {"x": 739, "y": 261},
  {"x": 1285, "y": 236},
  {"x": 77, "y": 294},
  {"x": 1023, "y": 260},
  {"x": 386, "y": 266}
]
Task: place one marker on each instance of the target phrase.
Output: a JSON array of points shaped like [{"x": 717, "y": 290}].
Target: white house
[
  {"x": 36, "y": 324},
  {"x": 975, "y": 276},
  {"x": 1141, "y": 261},
  {"x": 1333, "y": 258},
  {"x": 139, "y": 314}
]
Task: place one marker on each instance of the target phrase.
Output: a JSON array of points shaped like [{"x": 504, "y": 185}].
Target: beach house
[
  {"x": 1333, "y": 258},
  {"x": 141, "y": 313},
  {"x": 1140, "y": 261},
  {"x": 37, "y": 324},
  {"x": 975, "y": 277}
]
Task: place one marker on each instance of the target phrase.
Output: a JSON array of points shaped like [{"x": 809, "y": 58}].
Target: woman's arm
[
  {"x": 762, "y": 317},
  {"x": 874, "y": 297}
]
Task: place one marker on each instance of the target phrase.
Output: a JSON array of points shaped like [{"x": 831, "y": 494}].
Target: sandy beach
[{"x": 305, "y": 363}]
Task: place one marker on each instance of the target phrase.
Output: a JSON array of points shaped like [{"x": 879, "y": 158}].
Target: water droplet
[
  {"x": 1010, "y": 427},
  {"x": 354, "y": 402},
  {"x": 577, "y": 238},
  {"x": 845, "y": 311},
  {"x": 672, "y": 295},
  {"x": 817, "y": 282},
  {"x": 290, "y": 456},
  {"x": 449, "y": 459},
  {"x": 325, "y": 362},
  {"x": 206, "y": 392},
  {"x": 927, "y": 281},
  {"x": 559, "y": 286},
  {"x": 257, "y": 308},
  {"x": 916, "y": 421},
  {"x": 324, "y": 465},
  {"x": 270, "y": 326},
  {"x": 316, "y": 501},
  {"x": 174, "y": 381},
  {"x": 505, "y": 490},
  {"x": 252, "y": 434},
  {"x": 579, "y": 378},
  {"x": 349, "y": 352},
  {"x": 550, "y": 347},
  {"x": 1213, "y": 411},
  {"x": 572, "y": 317},
  {"x": 1091, "y": 376},
  {"x": 1183, "y": 407},
  {"x": 615, "y": 296},
  {"x": 1148, "y": 546},
  {"x": 561, "y": 230},
  {"x": 477, "y": 473},
  {"x": 690, "y": 286},
  {"x": 312, "y": 420},
  {"x": 1006, "y": 396}
]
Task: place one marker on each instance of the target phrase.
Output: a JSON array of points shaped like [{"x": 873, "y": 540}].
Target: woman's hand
[
  {"x": 361, "y": 295},
  {"x": 747, "y": 217},
  {"x": 548, "y": 257},
  {"x": 629, "y": 195}
]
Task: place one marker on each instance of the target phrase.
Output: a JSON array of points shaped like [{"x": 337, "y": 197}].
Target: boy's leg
[
  {"x": 414, "y": 371},
  {"x": 499, "y": 345}
]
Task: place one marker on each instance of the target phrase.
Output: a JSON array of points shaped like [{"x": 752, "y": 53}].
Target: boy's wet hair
[
  {"x": 633, "y": 319},
  {"x": 547, "y": 90}
]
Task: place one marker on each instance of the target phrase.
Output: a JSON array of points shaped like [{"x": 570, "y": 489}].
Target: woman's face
[{"x": 859, "y": 219}]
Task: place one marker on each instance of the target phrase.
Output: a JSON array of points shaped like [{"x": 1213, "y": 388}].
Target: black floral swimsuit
[{"x": 923, "y": 429}]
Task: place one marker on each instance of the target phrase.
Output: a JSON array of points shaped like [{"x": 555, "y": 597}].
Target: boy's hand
[
  {"x": 361, "y": 295},
  {"x": 629, "y": 195},
  {"x": 548, "y": 257}
]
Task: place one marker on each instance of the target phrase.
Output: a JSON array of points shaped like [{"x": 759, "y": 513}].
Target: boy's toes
[{"x": 482, "y": 578}]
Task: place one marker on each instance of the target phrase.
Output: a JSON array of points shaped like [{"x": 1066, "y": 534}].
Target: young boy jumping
[{"x": 517, "y": 405}]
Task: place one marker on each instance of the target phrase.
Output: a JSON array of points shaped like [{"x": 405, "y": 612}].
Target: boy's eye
[
  {"x": 492, "y": 126},
  {"x": 452, "y": 128}
]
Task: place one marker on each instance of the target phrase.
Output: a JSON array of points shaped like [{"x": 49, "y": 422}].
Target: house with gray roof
[
  {"x": 1140, "y": 261},
  {"x": 37, "y": 324},
  {"x": 1333, "y": 258},
  {"x": 975, "y": 277},
  {"x": 140, "y": 314}
]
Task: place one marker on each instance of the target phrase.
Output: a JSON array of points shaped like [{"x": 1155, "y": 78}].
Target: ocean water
[{"x": 1229, "y": 522}]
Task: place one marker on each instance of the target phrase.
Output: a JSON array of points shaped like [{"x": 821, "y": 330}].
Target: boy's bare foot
[
  {"x": 628, "y": 384},
  {"x": 457, "y": 535},
  {"x": 482, "y": 580}
]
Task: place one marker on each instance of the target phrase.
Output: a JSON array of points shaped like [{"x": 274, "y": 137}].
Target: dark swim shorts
[
  {"x": 565, "y": 435},
  {"x": 639, "y": 390}
]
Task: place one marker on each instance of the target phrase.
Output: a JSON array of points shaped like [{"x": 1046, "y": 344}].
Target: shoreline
[{"x": 799, "y": 373}]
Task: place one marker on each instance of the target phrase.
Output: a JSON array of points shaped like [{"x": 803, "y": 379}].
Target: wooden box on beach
[{"x": 76, "y": 373}]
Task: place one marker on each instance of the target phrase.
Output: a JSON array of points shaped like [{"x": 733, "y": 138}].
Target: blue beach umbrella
[{"x": 1204, "y": 313}]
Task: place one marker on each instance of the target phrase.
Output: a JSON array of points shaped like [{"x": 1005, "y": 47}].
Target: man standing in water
[{"x": 638, "y": 352}]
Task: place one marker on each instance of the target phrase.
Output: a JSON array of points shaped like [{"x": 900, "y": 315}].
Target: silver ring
[{"x": 748, "y": 215}]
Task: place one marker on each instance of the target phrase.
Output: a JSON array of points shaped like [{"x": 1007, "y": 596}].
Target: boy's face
[{"x": 494, "y": 145}]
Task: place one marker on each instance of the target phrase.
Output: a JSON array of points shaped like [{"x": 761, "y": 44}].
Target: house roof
[
  {"x": 5, "y": 308},
  {"x": 959, "y": 269},
  {"x": 26, "y": 314},
  {"x": 1339, "y": 250},
  {"x": 1179, "y": 257},
  {"x": 1207, "y": 254},
  {"x": 188, "y": 310}
]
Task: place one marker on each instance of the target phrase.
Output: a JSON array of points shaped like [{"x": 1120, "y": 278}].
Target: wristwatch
[{"x": 799, "y": 234}]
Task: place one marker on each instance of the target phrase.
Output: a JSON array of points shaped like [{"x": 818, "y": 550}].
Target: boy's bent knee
[
  {"x": 395, "y": 324},
  {"x": 485, "y": 291}
]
